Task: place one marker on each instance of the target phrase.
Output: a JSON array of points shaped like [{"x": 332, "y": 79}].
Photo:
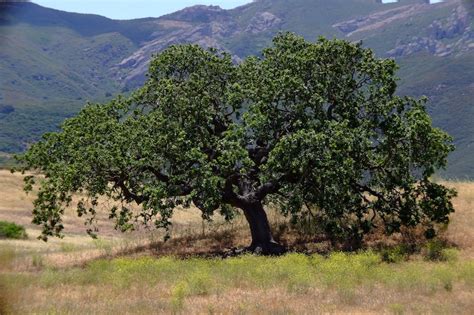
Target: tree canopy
[{"x": 306, "y": 126}]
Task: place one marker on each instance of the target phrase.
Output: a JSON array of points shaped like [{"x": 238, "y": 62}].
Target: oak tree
[{"x": 306, "y": 126}]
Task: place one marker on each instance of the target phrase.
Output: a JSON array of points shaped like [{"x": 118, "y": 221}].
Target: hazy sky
[{"x": 129, "y": 9}]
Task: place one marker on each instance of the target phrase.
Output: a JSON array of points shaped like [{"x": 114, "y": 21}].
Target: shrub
[
  {"x": 435, "y": 250},
  {"x": 12, "y": 230},
  {"x": 395, "y": 254}
]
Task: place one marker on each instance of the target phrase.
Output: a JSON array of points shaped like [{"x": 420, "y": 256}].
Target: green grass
[
  {"x": 175, "y": 283},
  {"x": 12, "y": 230},
  {"x": 296, "y": 272}
]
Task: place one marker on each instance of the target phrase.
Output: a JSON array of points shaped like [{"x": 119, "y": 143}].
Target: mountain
[{"x": 52, "y": 62}]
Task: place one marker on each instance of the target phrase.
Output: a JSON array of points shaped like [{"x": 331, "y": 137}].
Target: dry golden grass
[
  {"x": 152, "y": 300},
  {"x": 295, "y": 284},
  {"x": 189, "y": 233},
  {"x": 78, "y": 275},
  {"x": 461, "y": 228}
]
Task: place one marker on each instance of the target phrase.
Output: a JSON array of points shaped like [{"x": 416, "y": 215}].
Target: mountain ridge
[{"x": 55, "y": 61}]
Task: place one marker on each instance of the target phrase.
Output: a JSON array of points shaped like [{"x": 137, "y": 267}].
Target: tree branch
[
  {"x": 160, "y": 176},
  {"x": 364, "y": 188},
  {"x": 266, "y": 189},
  {"x": 129, "y": 196}
]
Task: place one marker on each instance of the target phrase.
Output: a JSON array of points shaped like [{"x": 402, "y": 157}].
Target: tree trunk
[{"x": 262, "y": 239}]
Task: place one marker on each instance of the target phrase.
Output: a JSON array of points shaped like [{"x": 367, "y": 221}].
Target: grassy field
[{"x": 138, "y": 273}]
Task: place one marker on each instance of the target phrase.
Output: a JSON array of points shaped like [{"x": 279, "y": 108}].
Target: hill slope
[{"x": 51, "y": 62}]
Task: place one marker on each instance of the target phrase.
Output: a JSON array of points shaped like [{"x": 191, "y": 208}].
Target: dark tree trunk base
[
  {"x": 262, "y": 239},
  {"x": 271, "y": 249}
]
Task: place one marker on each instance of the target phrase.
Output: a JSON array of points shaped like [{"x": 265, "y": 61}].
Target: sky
[{"x": 132, "y": 9}]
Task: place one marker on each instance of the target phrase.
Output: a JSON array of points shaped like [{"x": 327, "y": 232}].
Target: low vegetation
[
  {"x": 12, "y": 230},
  {"x": 137, "y": 273},
  {"x": 294, "y": 283}
]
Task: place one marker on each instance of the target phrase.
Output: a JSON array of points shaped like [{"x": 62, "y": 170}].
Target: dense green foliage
[
  {"x": 314, "y": 127},
  {"x": 12, "y": 230}
]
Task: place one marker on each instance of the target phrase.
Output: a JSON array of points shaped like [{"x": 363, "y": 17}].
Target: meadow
[{"x": 138, "y": 273}]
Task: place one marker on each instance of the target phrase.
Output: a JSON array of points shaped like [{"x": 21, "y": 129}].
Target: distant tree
[{"x": 306, "y": 126}]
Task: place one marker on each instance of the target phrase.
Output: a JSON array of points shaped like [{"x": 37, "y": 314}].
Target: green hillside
[
  {"x": 47, "y": 74},
  {"x": 53, "y": 62}
]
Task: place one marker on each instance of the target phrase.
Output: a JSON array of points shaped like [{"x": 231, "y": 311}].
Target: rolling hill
[{"x": 52, "y": 62}]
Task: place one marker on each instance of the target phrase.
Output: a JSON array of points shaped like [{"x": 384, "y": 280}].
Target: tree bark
[{"x": 262, "y": 239}]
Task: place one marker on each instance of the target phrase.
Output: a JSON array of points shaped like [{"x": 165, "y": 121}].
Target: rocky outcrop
[
  {"x": 453, "y": 35},
  {"x": 454, "y": 26},
  {"x": 380, "y": 19},
  {"x": 132, "y": 69},
  {"x": 202, "y": 25},
  {"x": 376, "y": 20},
  {"x": 263, "y": 22},
  {"x": 199, "y": 14},
  {"x": 208, "y": 26},
  {"x": 442, "y": 37}
]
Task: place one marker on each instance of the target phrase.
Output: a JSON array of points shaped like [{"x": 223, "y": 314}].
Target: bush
[
  {"x": 12, "y": 230},
  {"x": 436, "y": 250},
  {"x": 395, "y": 254}
]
